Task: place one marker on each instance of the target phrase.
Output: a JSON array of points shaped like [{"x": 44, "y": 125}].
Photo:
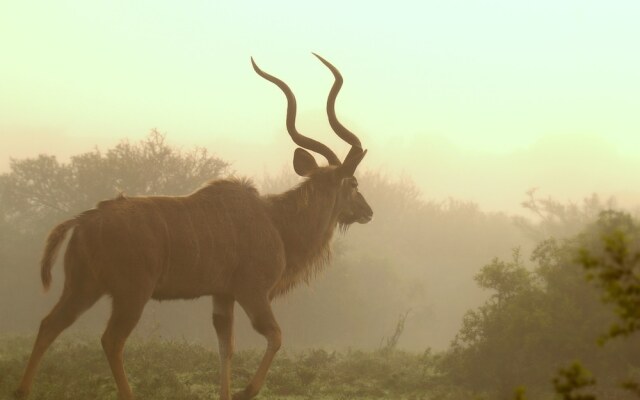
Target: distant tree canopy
[
  {"x": 560, "y": 220},
  {"x": 38, "y": 192}
]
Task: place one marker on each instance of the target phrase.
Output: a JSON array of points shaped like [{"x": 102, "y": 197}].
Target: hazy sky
[{"x": 478, "y": 100}]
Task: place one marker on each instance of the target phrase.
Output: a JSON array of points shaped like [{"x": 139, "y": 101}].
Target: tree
[
  {"x": 488, "y": 355},
  {"x": 560, "y": 220},
  {"x": 610, "y": 254},
  {"x": 539, "y": 319},
  {"x": 38, "y": 192}
]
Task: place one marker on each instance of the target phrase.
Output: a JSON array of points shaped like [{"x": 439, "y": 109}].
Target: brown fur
[
  {"x": 191, "y": 246},
  {"x": 54, "y": 240}
]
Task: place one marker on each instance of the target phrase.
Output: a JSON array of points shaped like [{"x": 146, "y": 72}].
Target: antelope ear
[
  {"x": 303, "y": 162},
  {"x": 351, "y": 163}
]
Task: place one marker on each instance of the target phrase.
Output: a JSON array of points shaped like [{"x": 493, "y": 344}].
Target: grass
[{"x": 158, "y": 370}]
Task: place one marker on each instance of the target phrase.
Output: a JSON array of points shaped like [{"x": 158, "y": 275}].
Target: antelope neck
[{"x": 306, "y": 218}]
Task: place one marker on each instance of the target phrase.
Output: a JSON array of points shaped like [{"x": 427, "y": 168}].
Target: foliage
[
  {"x": 40, "y": 191},
  {"x": 489, "y": 354},
  {"x": 570, "y": 382},
  {"x": 609, "y": 252},
  {"x": 611, "y": 256},
  {"x": 76, "y": 369},
  {"x": 540, "y": 317},
  {"x": 537, "y": 319},
  {"x": 559, "y": 220}
]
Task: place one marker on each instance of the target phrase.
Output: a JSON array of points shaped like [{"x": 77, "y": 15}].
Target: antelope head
[{"x": 350, "y": 205}]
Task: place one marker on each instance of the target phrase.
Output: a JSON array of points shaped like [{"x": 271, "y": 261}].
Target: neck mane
[{"x": 306, "y": 219}]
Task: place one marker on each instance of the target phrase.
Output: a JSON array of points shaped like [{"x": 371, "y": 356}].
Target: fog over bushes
[{"x": 417, "y": 255}]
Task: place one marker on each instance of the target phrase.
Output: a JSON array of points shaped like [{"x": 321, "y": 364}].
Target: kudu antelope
[{"x": 224, "y": 240}]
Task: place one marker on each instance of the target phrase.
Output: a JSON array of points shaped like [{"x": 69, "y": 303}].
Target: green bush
[{"x": 75, "y": 368}]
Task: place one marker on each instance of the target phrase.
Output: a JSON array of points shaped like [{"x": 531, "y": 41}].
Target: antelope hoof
[
  {"x": 20, "y": 394},
  {"x": 243, "y": 395}
]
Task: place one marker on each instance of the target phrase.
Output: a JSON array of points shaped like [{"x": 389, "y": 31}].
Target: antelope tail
[{"x": 54, "y": 240}]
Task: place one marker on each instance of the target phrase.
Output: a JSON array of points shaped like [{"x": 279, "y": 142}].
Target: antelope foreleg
[{"x": 264, "y": 323}]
